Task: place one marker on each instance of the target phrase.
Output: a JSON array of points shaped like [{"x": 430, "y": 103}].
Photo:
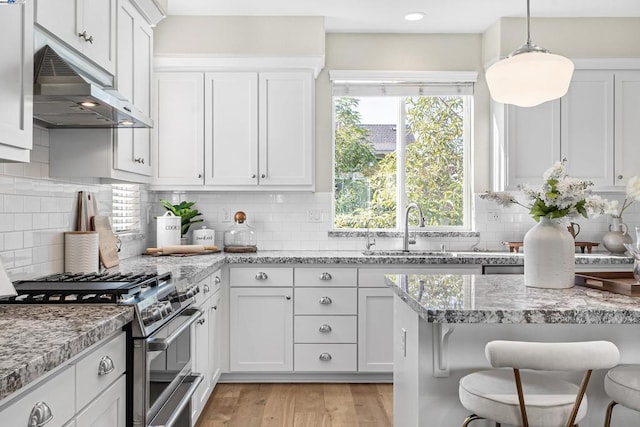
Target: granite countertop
[
  {"x": 34, "y": 339},
  {"x": 197, "y": 267},
  {"x": 469, "y": 298}
]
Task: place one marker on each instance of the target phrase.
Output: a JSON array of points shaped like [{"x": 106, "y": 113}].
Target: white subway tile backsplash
[
  {"x": 13, "y": 203},
  {"x": 13, "y": 240},
  {"x": 24, "y": 222}
]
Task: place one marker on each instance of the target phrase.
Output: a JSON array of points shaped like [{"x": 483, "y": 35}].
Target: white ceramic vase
[{"x": 549, "y": 256}]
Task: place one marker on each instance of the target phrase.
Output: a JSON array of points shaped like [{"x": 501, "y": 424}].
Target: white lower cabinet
[
  {"x": 326, "y": 357},
  {"x": 375, "y": 330},
  {"x": 261, "y": 329},
  {"x": 87, "y": 391},
  {"x": 108, "y": 410}
]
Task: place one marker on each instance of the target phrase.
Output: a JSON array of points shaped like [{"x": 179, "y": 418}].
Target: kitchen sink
[{"x": 400, "y": 252}]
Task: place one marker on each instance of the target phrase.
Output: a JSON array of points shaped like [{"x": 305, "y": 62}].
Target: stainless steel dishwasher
[{"x": 503, "y": 269}]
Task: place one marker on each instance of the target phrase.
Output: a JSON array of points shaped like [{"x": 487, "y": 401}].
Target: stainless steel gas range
[{"x": 160, "y": 381}]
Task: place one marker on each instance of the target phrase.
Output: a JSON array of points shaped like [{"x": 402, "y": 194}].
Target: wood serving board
[
  {"x": 107, "y": 241},
  {"x": 185, "y": 254},
  {"x": 515, "y": 246},
  {"x": 619, "y": 282}
]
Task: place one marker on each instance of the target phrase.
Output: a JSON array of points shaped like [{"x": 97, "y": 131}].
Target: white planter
[{"x": 549, "y": 256}]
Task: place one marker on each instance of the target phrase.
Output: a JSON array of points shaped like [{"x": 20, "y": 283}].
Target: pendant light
[{"x": 530, "y": 75}]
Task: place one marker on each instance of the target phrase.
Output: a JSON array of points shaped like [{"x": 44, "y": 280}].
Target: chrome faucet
[
  {"x": 406, "y": 242},
  {"x": 369, "y": 243}
]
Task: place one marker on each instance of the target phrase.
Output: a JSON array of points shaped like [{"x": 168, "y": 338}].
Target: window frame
[{"x": 436, "y": 83}]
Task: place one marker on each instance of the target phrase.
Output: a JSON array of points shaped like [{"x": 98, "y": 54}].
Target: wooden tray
[
  {"x": 619, "y": 282},
  {"x": 186, "y": 254},
  {"x": 240, "y": 249},
  {"x": 515, "y": 246}
]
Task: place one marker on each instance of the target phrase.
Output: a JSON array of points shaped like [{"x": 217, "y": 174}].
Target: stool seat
[
  {"x": 622, "y": 384},
  {"x": 492, "y": 394}
]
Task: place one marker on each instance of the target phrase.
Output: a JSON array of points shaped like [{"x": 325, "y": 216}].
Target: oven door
[{"x": 162, "y": 378}]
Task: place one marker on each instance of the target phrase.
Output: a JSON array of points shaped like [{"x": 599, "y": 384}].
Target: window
[
  {"x": 126, "y": 208},
  {"x": 379, "y": 170}
]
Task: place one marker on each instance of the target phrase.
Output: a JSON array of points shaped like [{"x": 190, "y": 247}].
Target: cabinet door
[
  {"x": 108, "y": 410},
  {"x": 215, "y": 339},
  {"x": 16, "y": 85},
  {"x": 231, "y": 128},
  {"x": 375, "y": 330},
  {"x": 532, "y": 142},
  {"x": 98, "y": 19},
  {"x": 286, "y": 129},
  {"x": 201, "y": 347},
  {"x": 627, "y": 125},
  {"x": 178, "y": 133},
  {"x": 587, "y": 127},
  {"x": 60, "y": 19},
  {"x": 261, "y": 329},
  {"x": 132, "y": 152}
]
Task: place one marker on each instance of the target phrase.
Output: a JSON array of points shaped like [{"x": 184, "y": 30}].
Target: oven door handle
[
  {"x": 161, "y": 344},
  {"x": 176, "y": 411}
]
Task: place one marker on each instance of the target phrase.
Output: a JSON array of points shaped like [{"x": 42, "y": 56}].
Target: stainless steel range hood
[{"x": 63, "y": 97}]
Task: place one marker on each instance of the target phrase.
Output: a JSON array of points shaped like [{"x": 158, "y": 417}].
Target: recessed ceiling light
[
  {"x": 89, "y": 104},
  {"x": 126, "y": 123},
  {"x": 414, "y": 16}
]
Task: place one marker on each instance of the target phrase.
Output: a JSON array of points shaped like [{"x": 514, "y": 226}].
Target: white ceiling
[{"x": 387, "y": 16}]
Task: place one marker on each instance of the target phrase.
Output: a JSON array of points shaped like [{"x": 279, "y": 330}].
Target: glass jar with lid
[{"x": 240, "y": 237}]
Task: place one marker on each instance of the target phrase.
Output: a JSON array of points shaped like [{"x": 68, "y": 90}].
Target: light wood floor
[{"x": 299, "y": 405}]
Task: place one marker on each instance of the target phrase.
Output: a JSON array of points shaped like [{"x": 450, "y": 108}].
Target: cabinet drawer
[
  {"x": 261, "y": 276},
  {"x": 99, "y": 369},
  {"x": 325, "y": 329},
  {"x": 325, "y": 357},
  {"x": 58, "y": 393},
  {"x": 325, "y": 301},
  {"x": 326, "y": 276}
]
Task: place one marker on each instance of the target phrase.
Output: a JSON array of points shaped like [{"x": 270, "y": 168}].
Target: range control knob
[{"x": 150, "y": 315}]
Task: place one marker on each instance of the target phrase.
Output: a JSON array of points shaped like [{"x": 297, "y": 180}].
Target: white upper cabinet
[
  {"x": 16, "y": 85},
  {"x": 286, "y": 129},
  {"x": 89, "y": 26},
  {"x": 178, "y": 134},
  {"x": 258, "y": 130},
  {"x": 627, "y": 126},
  {"x": 594, "y": 126},
  {"x": 534, "y": 142},
  {"x": 231, "y": 128},
  {"x": 587, "y": 127},
  {"x": 133, "y": 80}
]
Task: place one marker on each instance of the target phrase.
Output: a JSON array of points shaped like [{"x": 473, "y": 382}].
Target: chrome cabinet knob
[
  {"x": 201, "y": 321},
  {"x": 217, "y": 280},
  {"x": 253, "y": 176},
  {"x": 325, "y": 300},
  {"x": 620, "y": 176},
  {"x": 40, "y": 415},
  {"x": 262, "y": 276},
  {"x": 325, "y": 357},
  {"x": 206, "y": 289},
  {"x": 86, "y": 37},
  {"x": 326, "y": 276},
  {"x": 325, "y": 328},
  {"x": 139, "y": 160},
  {"x": 106, "y": 366},
  {"x": 263, "y": 175},
  {"x": 199, "y": 175},
  {"x": 287, "y": 297}
]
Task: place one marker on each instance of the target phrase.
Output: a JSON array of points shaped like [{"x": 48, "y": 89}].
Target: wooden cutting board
[
  {"x": 619, "y": 282},
  {"x": 86, "y": 209},
  {"x": 107, "y": 241}
]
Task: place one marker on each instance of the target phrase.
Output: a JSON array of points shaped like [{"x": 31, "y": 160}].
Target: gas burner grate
[{"x": 85, "y": 288}]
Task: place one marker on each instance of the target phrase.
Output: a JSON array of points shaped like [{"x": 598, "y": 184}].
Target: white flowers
[
  {"x": 560, "y": 196},
  {"x": 613, "y": 207}
]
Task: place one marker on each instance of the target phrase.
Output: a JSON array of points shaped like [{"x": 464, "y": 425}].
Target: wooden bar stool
[
  {"x": 509, "y": 396},
  {"x": 622, "y": 385}
]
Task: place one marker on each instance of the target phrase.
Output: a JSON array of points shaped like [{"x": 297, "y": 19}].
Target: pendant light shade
[{"x": 529, "y": 76}]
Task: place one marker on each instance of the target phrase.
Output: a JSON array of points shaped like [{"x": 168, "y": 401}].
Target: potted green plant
[{"x": 185, "y": 212}]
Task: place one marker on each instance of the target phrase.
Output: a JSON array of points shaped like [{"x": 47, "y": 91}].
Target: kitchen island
[{"x": 443, "y": 321}]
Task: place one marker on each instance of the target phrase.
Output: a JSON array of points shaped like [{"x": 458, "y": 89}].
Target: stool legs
[
  {"x": 470, "y": 418},
  {"x": 607, "y": 418}
]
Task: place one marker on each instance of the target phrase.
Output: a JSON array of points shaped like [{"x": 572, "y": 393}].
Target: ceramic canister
[
  {"x": 203, "y": 236},
  {"x": 168, "y": 230}
]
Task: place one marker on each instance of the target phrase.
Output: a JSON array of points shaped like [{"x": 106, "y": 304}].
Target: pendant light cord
[{"x": 528, "y": 25}]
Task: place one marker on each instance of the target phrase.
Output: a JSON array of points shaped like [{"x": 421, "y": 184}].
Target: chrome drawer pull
[
  {"x": 40, "y": 415},
  {"x": 325, "y": 300},
  {"x": 325, "y": 328},
  {"x": 325, "y": 276},
  {"x": 262, "y": 276},
  {"x": 206, "y": 289},
  {"x": 217, "y": 280},
  {"x": 325, "y": 357},
  {"x": 106, "y": 366}
]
